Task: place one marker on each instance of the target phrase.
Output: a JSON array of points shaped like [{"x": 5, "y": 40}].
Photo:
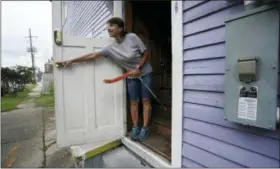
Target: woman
[{"x": 129, "y": 52}]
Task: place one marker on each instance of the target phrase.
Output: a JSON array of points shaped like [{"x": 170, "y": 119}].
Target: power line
[{"x": 32, "y": 49}]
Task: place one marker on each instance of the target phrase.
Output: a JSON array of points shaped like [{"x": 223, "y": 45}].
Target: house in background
[
  {"x": 194, "y": 47},
  {"x": 47, "y": 76}
]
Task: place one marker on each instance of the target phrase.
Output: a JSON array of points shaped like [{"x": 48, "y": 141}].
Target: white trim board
[{"x": 177, "y": 83}]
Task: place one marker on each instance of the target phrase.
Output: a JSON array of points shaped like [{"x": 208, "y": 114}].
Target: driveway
[
  {"x": 22, "y": 134},
  {"x": 28, "y": 137},
  {"x": 21, "y": 138}
]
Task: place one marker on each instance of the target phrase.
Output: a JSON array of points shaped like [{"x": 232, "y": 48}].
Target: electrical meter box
[{"x": 251, "y": 75}]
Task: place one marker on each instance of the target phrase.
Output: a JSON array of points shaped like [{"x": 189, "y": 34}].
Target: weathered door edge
[{"x": 56, "y": 23}]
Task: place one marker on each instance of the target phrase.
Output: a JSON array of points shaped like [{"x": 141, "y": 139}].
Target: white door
[{"x": 87, "y": 110}]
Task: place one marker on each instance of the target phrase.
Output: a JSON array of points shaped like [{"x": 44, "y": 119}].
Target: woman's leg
[
  {"x": 147, "y": 79},
  {"x": 134, "y": 112},
  {"x": 134, "y": 88},
  {"x": 146, "y": 111}
]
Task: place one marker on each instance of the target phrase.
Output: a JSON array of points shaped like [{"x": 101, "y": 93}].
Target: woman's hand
[
  {"x": 135, "y": 72},
  {"x": 63, "y": 64}
]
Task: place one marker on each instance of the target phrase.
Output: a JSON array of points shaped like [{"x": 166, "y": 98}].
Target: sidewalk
[{"x": 54, "y": 157}]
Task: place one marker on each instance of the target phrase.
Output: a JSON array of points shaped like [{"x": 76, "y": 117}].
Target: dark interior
[{"x": 151, "y": 21}]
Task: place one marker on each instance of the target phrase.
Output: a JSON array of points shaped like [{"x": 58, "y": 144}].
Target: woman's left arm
[
  {"x": 144, "y": 59},
  {"x": 145, "y": 55},
  {"x": 143, "y": 49}
]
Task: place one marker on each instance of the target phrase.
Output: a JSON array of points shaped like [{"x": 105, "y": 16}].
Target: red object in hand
[{"x": 125, "y": 75}]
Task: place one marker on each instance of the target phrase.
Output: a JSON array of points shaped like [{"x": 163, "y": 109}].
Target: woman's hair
[{"x": 119, "y": 22}]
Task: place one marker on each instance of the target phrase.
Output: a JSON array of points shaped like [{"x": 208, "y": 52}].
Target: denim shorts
[{"x": 137, "y": 90}]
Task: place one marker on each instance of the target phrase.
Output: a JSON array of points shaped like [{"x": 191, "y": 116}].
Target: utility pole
[{"x": 31, "y": 49}]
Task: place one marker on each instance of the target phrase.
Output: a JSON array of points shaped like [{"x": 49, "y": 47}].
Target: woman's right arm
[
  {"x": 83, "y": 58},
  {"x": 87, "y": 57}
]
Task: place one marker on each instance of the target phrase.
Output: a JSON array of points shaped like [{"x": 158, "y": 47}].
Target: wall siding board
[
  {"x": 87, "y": 18},
  {"x": 205, "y": 158},
  {"x": 208, "y": 66},
  {"x": 98, "y": 8},
  {"x": 77, "y": 17},
  {"x": 215, "y": 116},
  {"x": 72, "y": 11},
  {"x": 73, "y": 21},
  {"x": 204, "y": 98},
  {"x": 208, "y": 52},
  {"x": 97, "y": 13},
  {"x": 187, "y": 5},
  {"x": 228, "y": 151},
  {"x": 208, "y": 8},
  {"x": 246, "y": 141},
  {"x": 82, "y": 17},
  {"x": 208, "y": 139},
  {"x": 205, "y": 38},
  {"x": 204, "y": 82},
  {"x": 91, "y": 16},
  {"x": 187, "y": 163},
  {"x": 103, "y": 17},
  {"x": 212, "y": 21}
]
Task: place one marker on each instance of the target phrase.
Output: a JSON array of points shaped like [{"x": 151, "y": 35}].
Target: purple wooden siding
[{"x": 208, "y": 139}]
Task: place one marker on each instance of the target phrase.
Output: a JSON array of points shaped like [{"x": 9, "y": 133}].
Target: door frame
[
  {"x": 177, "y": 73},
  {"x": 177, "y": 83}
]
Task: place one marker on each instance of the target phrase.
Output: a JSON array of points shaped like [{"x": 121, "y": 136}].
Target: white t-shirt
[{"x": 127, "y": 53}]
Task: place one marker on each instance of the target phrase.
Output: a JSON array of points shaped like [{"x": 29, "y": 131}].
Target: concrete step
[{"x": 119, "y": 157}]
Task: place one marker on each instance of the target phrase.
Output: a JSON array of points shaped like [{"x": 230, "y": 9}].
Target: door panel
[{"x": 87, "y": 109}]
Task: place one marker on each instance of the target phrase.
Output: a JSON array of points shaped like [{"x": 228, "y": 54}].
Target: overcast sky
[{"x": 16, "y": 19}]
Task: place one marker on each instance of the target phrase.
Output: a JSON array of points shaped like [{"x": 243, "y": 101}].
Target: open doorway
[{"x": 151, "y": 21}]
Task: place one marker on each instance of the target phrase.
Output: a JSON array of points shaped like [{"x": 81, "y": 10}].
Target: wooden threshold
[
  {"x": 159, "y": 144},
  {"x": 151, "y": 157},
  {"x": 161, "y": 126},
  {"x": 161, "y": 130}
]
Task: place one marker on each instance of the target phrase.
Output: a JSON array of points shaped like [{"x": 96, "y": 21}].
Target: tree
[
  {"x": 14, "y": 79},
  {"x": 24, "y": 76}
]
